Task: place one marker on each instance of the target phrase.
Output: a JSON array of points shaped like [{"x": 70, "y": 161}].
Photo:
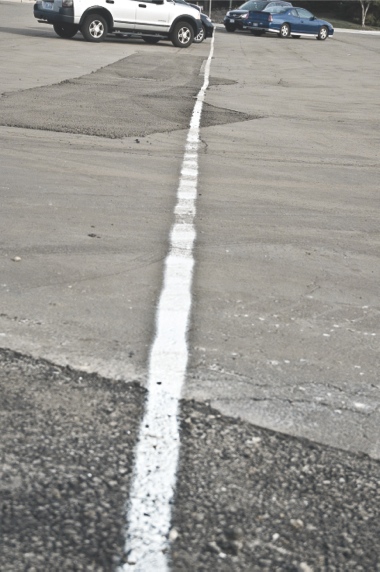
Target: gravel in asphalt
[
  {"x": 248, "y": 499},
  {"x": 66, "y": 459},
  {"x": 252, "y": 500}
]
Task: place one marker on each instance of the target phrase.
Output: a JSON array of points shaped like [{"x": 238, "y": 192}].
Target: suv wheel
[
  {"x": 182, "y": 35},
  {"x": 65, "y": 30},
  {"x": 230, "y": 27},
  {"x": 94, "y": 28}
]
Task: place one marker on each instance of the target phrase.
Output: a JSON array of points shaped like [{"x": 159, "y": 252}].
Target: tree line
[{"x": 362, "y": 12}]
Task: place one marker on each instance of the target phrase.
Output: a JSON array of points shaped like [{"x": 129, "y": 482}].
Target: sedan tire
[
  {"x": 182, "y": 35},
  {"x": 230, "y": 27},
  {"x": 201, "y": 36},
  {"x": 284, "y": 31},
  {"x": 94, "y": 28},
  {"x": 323, "y": 33}
]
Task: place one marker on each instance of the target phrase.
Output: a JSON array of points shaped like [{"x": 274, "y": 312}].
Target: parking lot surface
[{"x": 280, "y": 419}]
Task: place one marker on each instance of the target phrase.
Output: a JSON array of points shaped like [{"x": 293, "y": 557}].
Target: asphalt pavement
[
  {"x": 280, "y": 438},
  {"x": 248, "y": 499}
]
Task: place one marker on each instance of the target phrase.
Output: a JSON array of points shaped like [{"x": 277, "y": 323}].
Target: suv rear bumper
[{"x": 64, "y": 16}]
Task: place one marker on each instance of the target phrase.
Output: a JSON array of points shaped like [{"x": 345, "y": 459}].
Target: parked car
[
  {"x": 236, "y": 19},
  {"x": 154, "y": 20},
  {"x": 285, "y": 22},
  {"x": 207, "y": 30}
]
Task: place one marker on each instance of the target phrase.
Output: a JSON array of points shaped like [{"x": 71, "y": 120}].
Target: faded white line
[{"x": 154, "y": 477}]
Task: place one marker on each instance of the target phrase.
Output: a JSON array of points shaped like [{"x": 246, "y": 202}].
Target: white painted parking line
[
  {"x": 154, "y": 478},
  {"x": 350, "y": 31}
]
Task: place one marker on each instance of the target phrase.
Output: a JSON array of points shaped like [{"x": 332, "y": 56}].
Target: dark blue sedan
[{"x": 286, "y": 22}]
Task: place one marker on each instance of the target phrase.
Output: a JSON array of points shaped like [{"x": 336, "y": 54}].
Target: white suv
[{"x": 153, "y": 20}]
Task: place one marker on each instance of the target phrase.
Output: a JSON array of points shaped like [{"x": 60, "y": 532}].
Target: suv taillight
[{"x": 270, "y": 18}]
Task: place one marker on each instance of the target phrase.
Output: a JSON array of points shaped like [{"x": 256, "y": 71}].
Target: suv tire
[
  {"x": 182, "y": 35},
  {"x": 65, "y": 30},
  {"x": 94, "y": 28}
]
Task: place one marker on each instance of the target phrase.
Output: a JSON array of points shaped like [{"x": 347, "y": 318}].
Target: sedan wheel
[
  {"x": 94, "y": 28},
  {"x": 284, "y": 31},
  {"x": 323, "y": 33},
  {"x": 201, "y": 36}
]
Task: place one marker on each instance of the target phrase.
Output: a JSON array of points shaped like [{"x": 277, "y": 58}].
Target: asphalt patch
[
  {"x": 133, "y": 97},
  {"x": 212, "y": 115}
]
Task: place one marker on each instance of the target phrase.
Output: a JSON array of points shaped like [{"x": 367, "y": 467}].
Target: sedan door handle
[
  {"x": 142, "y": 5},
  {"x": 110, "y": 2}
]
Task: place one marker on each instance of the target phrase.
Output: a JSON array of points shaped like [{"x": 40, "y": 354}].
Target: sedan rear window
[
  {"x": 253, "y": 5},
  {"x": 275, "y": 9}
]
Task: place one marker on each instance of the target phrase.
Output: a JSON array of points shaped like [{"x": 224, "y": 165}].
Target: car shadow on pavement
[{"x": 49, "y": 33}]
